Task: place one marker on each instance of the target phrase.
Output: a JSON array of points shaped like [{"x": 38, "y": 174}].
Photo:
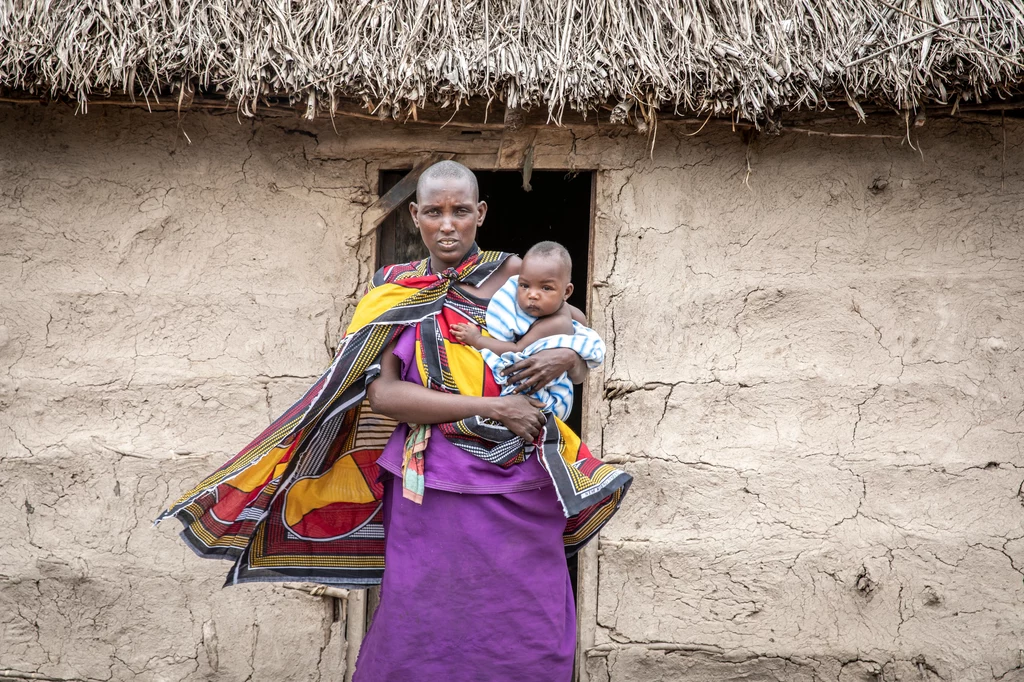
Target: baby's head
[{"x": 544, "y": 278}]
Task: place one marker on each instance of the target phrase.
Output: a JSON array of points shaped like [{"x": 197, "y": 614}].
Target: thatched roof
[{"x": 745, "y": 58}]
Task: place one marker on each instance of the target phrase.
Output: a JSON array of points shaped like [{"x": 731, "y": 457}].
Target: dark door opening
[{"x": 558, "y": 208}]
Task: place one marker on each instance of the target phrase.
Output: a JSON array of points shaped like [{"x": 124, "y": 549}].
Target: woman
[{"x": 473, "y": 527}]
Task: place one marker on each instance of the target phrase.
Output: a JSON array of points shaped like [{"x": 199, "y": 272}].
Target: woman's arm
[
  {"x": 552, "y": 325},
  {"x": 407, "y": 402},
  {"x": 413, "y": 404},
  {"x": 543, "y": 367}
]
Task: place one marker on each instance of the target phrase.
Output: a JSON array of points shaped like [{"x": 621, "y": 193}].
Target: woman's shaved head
[
  {"x": 447, "y": 170},
  {"x": 447, "y": 212}
]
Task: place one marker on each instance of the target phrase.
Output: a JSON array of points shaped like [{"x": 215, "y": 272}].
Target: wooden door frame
[{"x": 587, "y": 563}]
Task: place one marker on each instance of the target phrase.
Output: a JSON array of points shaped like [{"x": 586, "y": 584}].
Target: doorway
[{"x": 558, "y": 207}]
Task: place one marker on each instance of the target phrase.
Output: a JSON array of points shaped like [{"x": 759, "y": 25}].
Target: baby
[{"x": 529, "y": 314}]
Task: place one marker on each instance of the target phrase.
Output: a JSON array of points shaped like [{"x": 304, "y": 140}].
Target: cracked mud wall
[
  {"x": 822, "y": 405},
  {"x": 162, "y": 301},
  {"x": 814, "y": 379}
]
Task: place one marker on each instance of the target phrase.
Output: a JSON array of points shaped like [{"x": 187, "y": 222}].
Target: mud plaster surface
[{"x": 817, "y": 379}]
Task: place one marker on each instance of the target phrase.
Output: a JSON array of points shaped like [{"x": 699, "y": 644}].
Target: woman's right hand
[{"x": 521, "y": 415}]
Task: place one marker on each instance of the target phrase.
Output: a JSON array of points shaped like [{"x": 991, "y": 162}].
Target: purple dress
[{"x": 476, "y": 585}]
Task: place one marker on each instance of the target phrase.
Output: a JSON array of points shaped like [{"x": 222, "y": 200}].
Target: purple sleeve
[{"x": 405, "y": 351}]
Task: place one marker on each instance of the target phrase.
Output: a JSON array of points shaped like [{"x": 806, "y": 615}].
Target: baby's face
[{"x": 543, "y": 285}]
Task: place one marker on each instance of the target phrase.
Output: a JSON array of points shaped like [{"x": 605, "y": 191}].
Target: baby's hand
[{"x": 466, "y": 333}]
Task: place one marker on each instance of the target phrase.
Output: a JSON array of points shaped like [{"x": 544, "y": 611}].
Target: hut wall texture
[{"x": 815, "y": 371}]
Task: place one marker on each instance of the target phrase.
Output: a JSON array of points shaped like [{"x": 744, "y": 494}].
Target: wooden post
[
  {"x": 586, "y": 606},
  {"x": 593, "y": 404},
  {"x": 355, "y": 628},
  {"x": 516, "y": 140}
]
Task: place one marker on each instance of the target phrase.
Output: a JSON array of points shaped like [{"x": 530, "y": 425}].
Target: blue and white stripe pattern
[{"x": 507, "y": 321}]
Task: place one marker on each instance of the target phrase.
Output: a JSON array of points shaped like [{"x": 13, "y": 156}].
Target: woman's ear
[
  {"x": 568, "y": 291},
  {"x": 482, "y": 210},
  {"x": 414, "y": 210}
]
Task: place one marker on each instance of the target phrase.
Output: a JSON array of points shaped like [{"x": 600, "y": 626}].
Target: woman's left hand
[{"x": 540, "y": 369}]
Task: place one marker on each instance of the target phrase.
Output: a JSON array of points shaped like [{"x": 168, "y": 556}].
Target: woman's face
[{"x": 447, "y": 216}]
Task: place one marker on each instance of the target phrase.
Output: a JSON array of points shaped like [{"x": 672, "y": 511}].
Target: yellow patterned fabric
[{"x": 303, "y": 500}]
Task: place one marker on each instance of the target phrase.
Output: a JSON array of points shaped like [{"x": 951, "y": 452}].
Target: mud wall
[
  {"x": 163, "y": 300},
  {"x": 814, "y": 378},
  {"x": 822, "y": 407}
]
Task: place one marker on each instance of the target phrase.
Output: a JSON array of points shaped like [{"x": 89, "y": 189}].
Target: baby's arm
[
  {"x": 577, "y": 314},
  {"x": 552, "y": 325},
  {"x": 470, "y": 335},
  {"x": 558, "y": 323}
]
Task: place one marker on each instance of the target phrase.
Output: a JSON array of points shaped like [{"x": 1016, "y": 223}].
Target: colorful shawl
[{"x": 302, "y": 501}]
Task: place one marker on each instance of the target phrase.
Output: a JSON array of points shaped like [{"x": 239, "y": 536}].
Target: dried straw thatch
[{"x": 744, "y": 58}]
